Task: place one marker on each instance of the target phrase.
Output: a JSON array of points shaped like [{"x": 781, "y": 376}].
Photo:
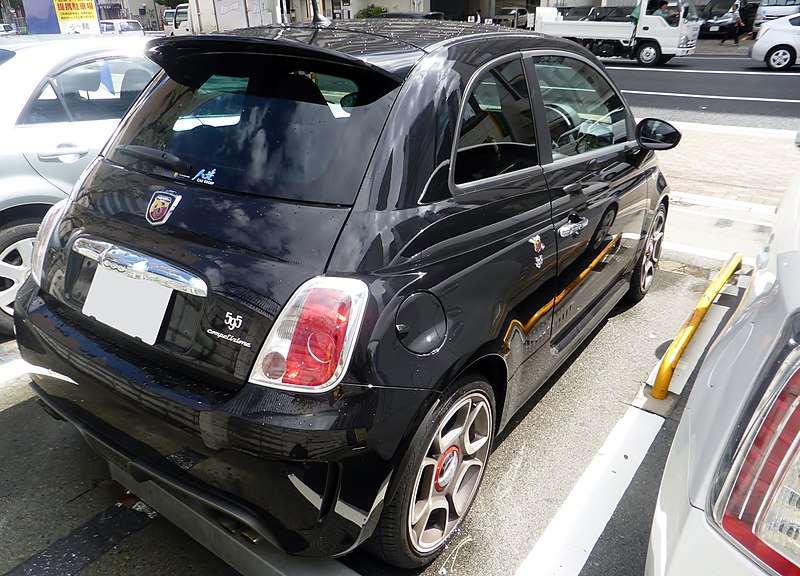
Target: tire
[
  {"x": 647, "y": 262},
  {"x": 780, "y": 58},
  {"x": 439, "y": 483},
  {"x": 16, "y": 247},
  {"x": 648, "y": 54}
]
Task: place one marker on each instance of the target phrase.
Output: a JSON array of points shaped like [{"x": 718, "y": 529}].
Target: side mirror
[{"x": 653, "y": 134}]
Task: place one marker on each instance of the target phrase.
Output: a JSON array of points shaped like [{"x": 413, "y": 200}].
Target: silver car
[
  {"x": 730, "y": 496},
  {"x": 62, "y": 99}
]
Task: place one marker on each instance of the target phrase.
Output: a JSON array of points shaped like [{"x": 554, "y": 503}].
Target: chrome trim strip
[{"x": 139, "y": 266}]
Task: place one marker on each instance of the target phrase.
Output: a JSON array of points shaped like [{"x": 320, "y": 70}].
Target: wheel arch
[
  {"x": 23, "y": 212},
  {"x": 492, "y": 367}
]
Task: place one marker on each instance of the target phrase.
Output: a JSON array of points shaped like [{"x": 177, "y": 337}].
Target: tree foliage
[{"x": 370, "y": 10}]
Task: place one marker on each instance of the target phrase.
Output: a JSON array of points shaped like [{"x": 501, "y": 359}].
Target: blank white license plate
[
  {"x": 714, "y": 29},
  {"x": 135, "y": 307}
]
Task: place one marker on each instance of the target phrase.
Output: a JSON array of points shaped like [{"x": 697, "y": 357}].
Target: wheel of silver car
[
  {"x": 16, "y": 248},
  {"x": 780, "y": 58},
  {"x": 647, "y": 263},
  {"x": 442, "y": 477},
  {"x": 648, "y": 54}
]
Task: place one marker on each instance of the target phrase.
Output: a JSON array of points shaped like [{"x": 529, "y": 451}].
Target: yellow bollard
[{"x": 675, "y": 350}]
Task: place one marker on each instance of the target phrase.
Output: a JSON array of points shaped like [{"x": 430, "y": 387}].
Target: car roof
[{"x": 392, "y": 45}]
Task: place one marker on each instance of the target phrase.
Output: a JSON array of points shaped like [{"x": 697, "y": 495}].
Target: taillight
[
  {"x": 762, "y": 511},
  {"x": 311, "y": 342}
]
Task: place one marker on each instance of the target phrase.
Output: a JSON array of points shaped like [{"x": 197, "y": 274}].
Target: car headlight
[{"x": 51, "y": 221}]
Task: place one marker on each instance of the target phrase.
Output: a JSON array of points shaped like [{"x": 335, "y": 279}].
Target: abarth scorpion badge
[{"x": 161, "y": 206}]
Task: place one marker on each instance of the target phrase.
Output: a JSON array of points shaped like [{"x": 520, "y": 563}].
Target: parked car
[
  {"x": 778, "y": 43},
  {"x": 718, "y": 19},
  {"x": 8, "y": 30},
  {"x": 728, "y": 498},
  {"x": 62, "y": 99},
  {"x": 273, "y": 288},
  {"x": 515, "y": 17},
  {"x": 122, "y": 27},
  {"x": 770, "y": 10},
  {"x": 412, "y": 15}
]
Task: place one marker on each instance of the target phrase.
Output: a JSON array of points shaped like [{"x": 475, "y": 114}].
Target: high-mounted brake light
[
  {"x": 311, "y": 342},
  {"x": 762, "y": 512}
]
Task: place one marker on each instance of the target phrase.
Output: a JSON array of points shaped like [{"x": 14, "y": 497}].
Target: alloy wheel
[
  {"x": 15, "y": 261},
  {"x": 652, "y": 251},
  {"x": 450, "y": 473},
  {"x": 780, "y": 58}
]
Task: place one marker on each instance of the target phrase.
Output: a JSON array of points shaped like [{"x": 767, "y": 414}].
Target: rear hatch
[{"x": 223, "y": 191}]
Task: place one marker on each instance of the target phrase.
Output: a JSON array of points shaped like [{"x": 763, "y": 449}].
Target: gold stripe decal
[{"x": 528, "y": 326}]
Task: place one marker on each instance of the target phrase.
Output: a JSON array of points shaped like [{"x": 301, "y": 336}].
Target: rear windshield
[{"x": 273, "y": 126}]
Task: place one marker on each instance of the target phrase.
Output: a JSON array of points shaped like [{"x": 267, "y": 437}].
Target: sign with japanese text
[{"x": 77, "y": 17}]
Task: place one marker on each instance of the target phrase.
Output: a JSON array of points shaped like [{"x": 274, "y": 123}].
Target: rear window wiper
[{"x": 157, "y": 157}]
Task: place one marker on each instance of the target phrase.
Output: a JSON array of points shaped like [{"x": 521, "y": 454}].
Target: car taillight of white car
[{"x": 759, "y": 506}]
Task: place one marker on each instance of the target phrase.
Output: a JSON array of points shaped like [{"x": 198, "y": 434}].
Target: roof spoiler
[{"x": 168, "y": 52}]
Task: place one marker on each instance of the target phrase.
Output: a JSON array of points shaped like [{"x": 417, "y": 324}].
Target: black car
[
  {"x": 316, "y": 270},
  {"x": 718, "y": 21}
]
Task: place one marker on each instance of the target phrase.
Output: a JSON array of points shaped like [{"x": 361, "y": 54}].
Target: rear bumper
[{"x": 307, "y": 475}]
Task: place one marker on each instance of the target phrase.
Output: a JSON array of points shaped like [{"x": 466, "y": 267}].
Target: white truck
[
  {"x": 199, "y": 16},
  {"x": 648, "y": 37}
]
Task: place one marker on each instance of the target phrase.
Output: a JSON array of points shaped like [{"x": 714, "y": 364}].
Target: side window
[
  {"x": 583, "y": 111},
  {"x": 181, "y": 16},
  {"x": 99, "y": 90},
  {"x": 496, "y": 135}
]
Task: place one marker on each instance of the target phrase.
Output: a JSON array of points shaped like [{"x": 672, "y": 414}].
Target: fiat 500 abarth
[{"x": 317, "y": 269}]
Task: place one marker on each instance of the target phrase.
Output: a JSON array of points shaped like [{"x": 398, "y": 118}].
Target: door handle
[
  {"x": 59, "y": 151},
  {"x": 573, "y": 228},
  {"x": 573, "y": 188}
]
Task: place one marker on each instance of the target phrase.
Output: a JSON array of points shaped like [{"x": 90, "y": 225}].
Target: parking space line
[
  {"x": 701, "y": 200},
  {"x": 10, "y": 371},
  {"x": 568, "y": 540},
  {"x": 705, "y": 253}
]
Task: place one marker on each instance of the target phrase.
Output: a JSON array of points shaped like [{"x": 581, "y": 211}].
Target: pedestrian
[
  {"x": 478, "y": 16},
  {"x": 733, "y": 29}
]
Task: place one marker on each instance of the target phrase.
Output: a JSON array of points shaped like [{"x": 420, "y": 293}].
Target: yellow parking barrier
[{"x": 675, "y": 350}]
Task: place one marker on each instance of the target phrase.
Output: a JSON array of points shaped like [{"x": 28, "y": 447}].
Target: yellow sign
[{"x": 77, "y": 17}]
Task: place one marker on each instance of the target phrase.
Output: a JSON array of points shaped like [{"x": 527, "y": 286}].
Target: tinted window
[
  {"x": 583, "y": 110},
  {"x": 496, "y": 135},
  {"x": 281, "y": 127},
  {"x": 99, "y": 90}
]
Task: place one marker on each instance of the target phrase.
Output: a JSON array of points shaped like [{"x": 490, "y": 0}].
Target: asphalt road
[
  {"x": 60, "y": 513},
  {"x": 726, "y": 90}
]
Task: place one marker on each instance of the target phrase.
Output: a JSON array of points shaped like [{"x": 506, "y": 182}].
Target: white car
[
  {"x": 122, "y": 27},
  {"x": 7, "y": 30},
  {"x": 730, "y": 495},
  {"x": 778, "y": 43},
  {"x": 63, "y": 96}
]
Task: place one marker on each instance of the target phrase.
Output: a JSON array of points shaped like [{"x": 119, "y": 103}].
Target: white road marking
[
  {"x": 574, "y": 530},
  {"x": 709, "y": 97},
  {"x": 726, "y": 72},
  {"x": 736, "y": 130},
  {"x": 700, "y": 200},
  {"x": 10, "y": 371},
  {"x": 705, "y": 253}
]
